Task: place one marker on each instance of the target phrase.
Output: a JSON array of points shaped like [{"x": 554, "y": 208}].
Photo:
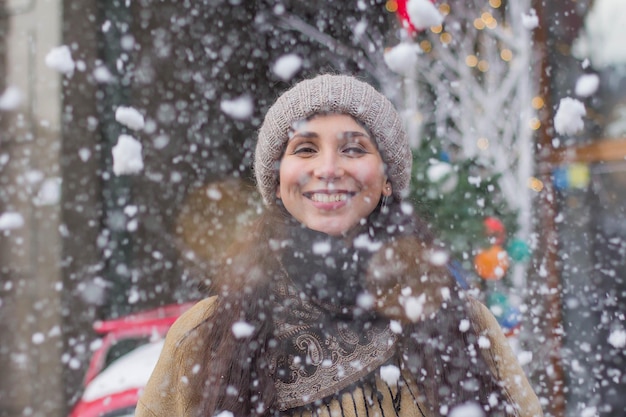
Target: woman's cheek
[{"x": 304, "y": 179}]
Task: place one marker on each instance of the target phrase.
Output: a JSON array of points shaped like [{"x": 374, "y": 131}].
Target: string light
[
  {"x": 483, "y": 66},
  {"x": 489, "y": 20},
  {"x": 471, "y": 61},
  {"x": 537, "y": 102},
  {"x": 426, "y": 46},
  {"x": 482, "y": 143},
  {"x": 445, "y": 38},
  {"x": 392, "y": 6},
  {"x": 495, "y": 3},
  {"x": 479, "y": 24},
  {"x": 506, "y": 55},
  {"x": 444, "y": 9},
  {"x": 436, "y": 29},
  {"x": 535, "y": 184},
  {"x": 534, "y": 123}
]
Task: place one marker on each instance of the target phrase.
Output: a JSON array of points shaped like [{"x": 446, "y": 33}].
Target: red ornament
[
  {"x": 495, "y": 229},
  {"x": 492, "y": 263},
  {"x": 493, "y": 225}
]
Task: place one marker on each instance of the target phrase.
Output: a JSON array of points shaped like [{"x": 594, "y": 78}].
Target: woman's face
[{"x": 331, "y": 175}]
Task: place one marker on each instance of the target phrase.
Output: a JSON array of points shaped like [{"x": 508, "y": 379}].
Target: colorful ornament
[
  {"x": 571, "y": 176},
  {"x": 578, "y": 175},
  {"x": 493, "y": 225},
  {"x": 492, "y": 263},
  {"x": 511, "y": 318},
  {"x": 498, "y": 303},
  {"x": 559, "y": 178},
  {"x": 518, "y": 250},
  {"x": 507, "y": 316},
  {"x": 494, "y": 228}
]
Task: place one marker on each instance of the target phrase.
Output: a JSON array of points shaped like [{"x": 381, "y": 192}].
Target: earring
[
  {"x": 385, "y": 198},
  {"x": 384, "y": 202}
]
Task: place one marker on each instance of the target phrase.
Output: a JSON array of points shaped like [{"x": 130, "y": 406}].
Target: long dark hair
[{"x": 234, "y": 372}]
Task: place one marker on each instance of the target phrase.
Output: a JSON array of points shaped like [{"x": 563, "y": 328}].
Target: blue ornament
[
  {"x": 511, "y": 318},
  {"x": 560, "y": 178}
]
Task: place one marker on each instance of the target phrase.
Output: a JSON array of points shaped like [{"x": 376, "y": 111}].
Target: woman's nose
[{"x": 328, "y": 167}]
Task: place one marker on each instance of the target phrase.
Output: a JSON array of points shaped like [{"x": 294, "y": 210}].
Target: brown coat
[{"x": 168, "y": 395}]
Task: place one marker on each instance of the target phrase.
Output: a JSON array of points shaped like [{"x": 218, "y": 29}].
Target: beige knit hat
[{"x": 334, "y": 94}]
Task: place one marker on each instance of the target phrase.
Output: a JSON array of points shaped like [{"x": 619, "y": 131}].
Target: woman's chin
[{"x": 333, "y": 228}]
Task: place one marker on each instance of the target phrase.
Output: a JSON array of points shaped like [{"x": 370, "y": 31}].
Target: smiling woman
[
  {"x": 338, "y": 302},
  {"x": 331, "y": 175}
]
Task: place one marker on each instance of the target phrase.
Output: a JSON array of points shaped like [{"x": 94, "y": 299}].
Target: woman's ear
[{"x": 387, "y": 190}]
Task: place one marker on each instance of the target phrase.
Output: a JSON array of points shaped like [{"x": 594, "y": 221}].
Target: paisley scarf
[{"x": 327, "y": 337}]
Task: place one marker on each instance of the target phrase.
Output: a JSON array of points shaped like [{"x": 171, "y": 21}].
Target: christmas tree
[{"x": 469, "y": 109}]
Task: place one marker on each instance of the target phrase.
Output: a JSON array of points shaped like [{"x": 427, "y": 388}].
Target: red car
[{"x": 123, "y": 361}]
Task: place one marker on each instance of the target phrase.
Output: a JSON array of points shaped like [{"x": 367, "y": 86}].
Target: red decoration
[
  {"x": 492, "y": 263},
  {"x": 493, "y": 225},
  {"x": 494, "y": 228},
  {"x": 403, "y": 14}
]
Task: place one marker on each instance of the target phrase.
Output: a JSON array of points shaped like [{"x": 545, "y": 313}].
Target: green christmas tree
[{"x": 455, "y": 197}]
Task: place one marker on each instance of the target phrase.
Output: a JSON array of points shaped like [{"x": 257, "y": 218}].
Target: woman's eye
[
  {"x": 354, "y": 150},
  {"x": 303, "y": 150}
]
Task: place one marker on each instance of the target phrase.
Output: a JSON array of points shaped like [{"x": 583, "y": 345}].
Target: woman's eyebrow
[
  {"x": 348, "y": 134},
  {"x": 303, "y": 134},
  {"x": 355, "y": 133}
]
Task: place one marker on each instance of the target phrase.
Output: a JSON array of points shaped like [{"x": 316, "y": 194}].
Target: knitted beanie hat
[{"x": 332, "y": 94}]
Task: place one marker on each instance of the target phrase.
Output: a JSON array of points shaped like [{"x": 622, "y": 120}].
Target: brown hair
[{"x": 234, "y": 371}]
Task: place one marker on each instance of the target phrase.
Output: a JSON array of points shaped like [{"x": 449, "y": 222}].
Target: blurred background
[{"x": 528, "y": 193}]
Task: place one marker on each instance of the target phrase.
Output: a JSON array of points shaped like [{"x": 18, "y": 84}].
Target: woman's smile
[{"x": 321, "y": 197}]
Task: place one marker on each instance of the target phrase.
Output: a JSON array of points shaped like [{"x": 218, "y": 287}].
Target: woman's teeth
[{"x": 328, "y": 198}]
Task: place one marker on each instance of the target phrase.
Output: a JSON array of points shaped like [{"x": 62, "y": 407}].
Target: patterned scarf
[{"x": 327, "y": 340}]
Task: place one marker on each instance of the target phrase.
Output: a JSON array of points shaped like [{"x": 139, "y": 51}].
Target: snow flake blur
[
  {"x": 423, "y": 14},
  {"x": 127, "y": 158},
  {"x": 287, "y": 66},
  {"x": 130, "y": 117},
  {"x": 240, "y": 108},
  {"x": 11, "y": 220},
  {"x": 569, "y": 116},
  {"x": 60, "y": 59},
  {"x": 11, "y": 98}
]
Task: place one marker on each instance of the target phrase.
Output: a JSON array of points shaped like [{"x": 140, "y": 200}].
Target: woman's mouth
[{"x": 328, "y": 197}]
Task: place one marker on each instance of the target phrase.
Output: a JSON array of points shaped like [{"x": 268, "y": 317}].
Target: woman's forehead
[{"x": 304, "y": 124}]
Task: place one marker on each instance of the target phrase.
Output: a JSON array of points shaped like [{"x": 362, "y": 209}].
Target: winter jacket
[{"x": 167, "y": 393}]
